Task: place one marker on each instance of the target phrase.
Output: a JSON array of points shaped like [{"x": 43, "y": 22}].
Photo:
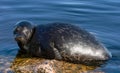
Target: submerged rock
[{"x": 5, "y": 63}]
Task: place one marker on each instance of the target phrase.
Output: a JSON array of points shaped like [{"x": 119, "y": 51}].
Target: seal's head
[{"x": 23, "y": 31}]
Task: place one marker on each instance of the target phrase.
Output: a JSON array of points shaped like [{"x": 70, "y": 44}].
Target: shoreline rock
[{"x": 39, "y": 65}]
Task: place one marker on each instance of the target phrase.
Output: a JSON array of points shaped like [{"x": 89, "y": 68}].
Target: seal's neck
[
  {"x": 26, "y": 46},
  {"x": 32, "y": 34}
]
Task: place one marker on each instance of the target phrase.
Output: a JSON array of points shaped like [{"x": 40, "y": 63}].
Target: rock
[
  {"x": 35, "y": 65},
  {"x": 23, "y": 63}
]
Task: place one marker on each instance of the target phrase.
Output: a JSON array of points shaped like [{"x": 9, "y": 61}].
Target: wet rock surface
[
  {"x": 23, "y": 63},
  {"x": 40, "y": 65},
  {"x": 35, "y": 65}
]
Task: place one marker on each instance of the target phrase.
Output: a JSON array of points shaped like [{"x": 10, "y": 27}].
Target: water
[{"x": 100, "y": 17}]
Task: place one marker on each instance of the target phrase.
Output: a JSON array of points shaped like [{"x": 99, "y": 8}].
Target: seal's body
[{"x": 64, "y": 42}]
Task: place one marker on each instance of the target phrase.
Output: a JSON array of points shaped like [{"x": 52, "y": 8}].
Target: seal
[{"x": 61, "y": 41}]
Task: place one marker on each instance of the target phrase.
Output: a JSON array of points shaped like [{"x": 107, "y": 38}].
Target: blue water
[{"x": 100, "y": 17}]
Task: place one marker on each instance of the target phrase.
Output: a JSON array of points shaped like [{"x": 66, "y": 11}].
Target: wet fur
[{"x": 64, "y": 42}]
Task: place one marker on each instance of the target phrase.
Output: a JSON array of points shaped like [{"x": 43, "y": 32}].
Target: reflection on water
[{"x": 101, "y": 17}]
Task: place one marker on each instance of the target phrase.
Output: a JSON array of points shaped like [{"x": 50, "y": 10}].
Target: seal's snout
[{"x": 18, "y": 38}]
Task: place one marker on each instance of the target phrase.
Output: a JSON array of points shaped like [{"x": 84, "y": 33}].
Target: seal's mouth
[{"x": 20, "y": 38}]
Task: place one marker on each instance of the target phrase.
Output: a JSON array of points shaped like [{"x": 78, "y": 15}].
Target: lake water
[{"x": 100, "y": 17}]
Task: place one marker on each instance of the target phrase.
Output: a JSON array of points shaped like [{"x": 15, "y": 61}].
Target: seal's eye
[{"x": 17, "y": 30}]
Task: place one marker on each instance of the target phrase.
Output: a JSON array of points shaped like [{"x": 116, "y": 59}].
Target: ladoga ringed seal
[{"x": 60, "y": 41}]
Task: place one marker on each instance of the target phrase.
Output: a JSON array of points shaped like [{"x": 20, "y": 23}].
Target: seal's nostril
[{"x": 18, "y": 38}]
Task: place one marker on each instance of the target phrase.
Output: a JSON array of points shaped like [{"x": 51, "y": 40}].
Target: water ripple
[{"x": 100, "y": 17}]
